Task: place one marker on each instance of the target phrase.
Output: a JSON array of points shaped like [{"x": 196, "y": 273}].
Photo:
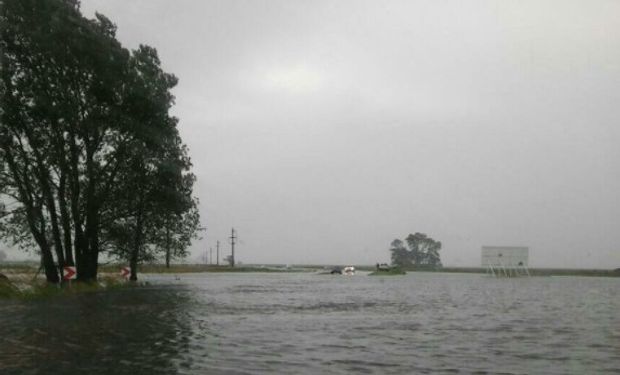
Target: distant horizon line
[{"x": 314, "y": 265}]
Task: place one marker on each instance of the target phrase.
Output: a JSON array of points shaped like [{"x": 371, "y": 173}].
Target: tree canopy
[
  {"x": 417, "y": 251},
  {"x": 90, "y": 158}
]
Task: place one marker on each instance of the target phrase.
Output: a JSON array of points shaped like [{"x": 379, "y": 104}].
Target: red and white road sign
[
  {"x": 125, "y": 272},
  {"x": 69, "y": 273}
]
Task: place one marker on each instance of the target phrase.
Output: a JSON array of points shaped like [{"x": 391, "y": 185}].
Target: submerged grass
[
  {"x": 21, "y": 281},
  {"x": 193, "y": 268},
  {"x": 534, "y": 271},
  {"x": 8, "y": 290},
  {"x": 390, "y": 272},
  {"x": 29, "y": 289}
]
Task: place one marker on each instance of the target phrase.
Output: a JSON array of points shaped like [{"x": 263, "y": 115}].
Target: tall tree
[
  {"x": 157, "y": 184},
  {"x": 421, "y": 252},
  {"x": 60, "y": 104},
  {"x": 80, "y": 116},
  {"x": 177, "y": 233},
  {"x": 400, "y": 255}
]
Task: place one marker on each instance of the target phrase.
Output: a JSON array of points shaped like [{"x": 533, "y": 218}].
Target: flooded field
[{"x": 305, "y": 323}]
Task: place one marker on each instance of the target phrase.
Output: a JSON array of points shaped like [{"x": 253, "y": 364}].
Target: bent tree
[{"x": 89, "y": 153}]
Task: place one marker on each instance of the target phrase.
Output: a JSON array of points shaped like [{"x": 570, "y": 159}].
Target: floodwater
[{"x": 299, "y": 323}]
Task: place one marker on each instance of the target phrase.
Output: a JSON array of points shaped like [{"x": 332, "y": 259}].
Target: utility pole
[
  {"x": 217, "y": 259},
  {"x": 210, "y": 255},
  {"x": 232, "y": 246},
  {"x": 205, "y": 253}
]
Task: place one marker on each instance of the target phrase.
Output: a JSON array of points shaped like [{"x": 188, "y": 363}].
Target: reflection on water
[
  {"x": 303, "y": 323},
  {"x": 120, "y": 331}
]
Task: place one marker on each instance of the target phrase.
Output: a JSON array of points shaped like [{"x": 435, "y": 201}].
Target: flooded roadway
[{"x": 303, "y": 323}]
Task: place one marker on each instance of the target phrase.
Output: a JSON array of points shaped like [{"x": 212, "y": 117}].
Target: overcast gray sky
[{"x": 322, "y": 130}]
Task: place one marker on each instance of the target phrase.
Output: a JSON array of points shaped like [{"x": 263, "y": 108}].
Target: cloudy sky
[{"x": 322, "y": 130}]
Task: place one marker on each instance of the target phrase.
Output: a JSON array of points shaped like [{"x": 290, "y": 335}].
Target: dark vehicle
[{"x": 383, "y": 267}]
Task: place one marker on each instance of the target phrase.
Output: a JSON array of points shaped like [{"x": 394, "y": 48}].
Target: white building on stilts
[{"x": 505, "y": 261}]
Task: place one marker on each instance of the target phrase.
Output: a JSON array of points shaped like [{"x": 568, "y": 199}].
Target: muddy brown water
[{"x": 300, "y": 323}]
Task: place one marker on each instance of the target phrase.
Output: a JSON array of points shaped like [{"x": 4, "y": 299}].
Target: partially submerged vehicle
[
  {"x": 348, "y": 270},
  {"x": 383, "y": 267}
]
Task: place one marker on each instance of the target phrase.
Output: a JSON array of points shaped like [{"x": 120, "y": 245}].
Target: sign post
[
  {"x": 69, "y": 273},
  {"x": 126, "y": 272}
]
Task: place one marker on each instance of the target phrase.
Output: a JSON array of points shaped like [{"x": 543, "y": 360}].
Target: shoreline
[
  {"x": 537, "y": 271},
  {"x": 24, "y": 270},
  {"x": 22, "y": 282}
]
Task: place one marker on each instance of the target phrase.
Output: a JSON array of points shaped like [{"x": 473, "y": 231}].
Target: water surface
[{"x": 305, "y": 323}]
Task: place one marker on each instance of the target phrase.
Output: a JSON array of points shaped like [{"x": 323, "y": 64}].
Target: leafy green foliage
[
  {"x": 417, "y": 251},
  {"x": 89, "y": 153}
]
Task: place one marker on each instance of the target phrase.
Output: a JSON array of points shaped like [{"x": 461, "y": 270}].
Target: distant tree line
[
  {"x": 417, "y": 251},
  {"x": 91, "y": 160}
]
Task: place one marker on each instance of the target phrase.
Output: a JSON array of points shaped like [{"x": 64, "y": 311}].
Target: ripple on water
[{"x": 298, "y": 323}]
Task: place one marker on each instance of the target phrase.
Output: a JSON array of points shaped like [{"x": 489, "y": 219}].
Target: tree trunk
[
  {"x": 168, "y": 255},
  {"x": 80, "y": 245},
  {"x": 87, "y": 249},
  {"x": 64, "y": 217},
  {"x": 46, "y": 190},
  {"x": 51, "y": 273},
  {"x": 34, "y": 213},
  {"x": 133, "y": 261},
  {"x": 91, "y": 254},
  {"x": 51, "y": 209}
]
